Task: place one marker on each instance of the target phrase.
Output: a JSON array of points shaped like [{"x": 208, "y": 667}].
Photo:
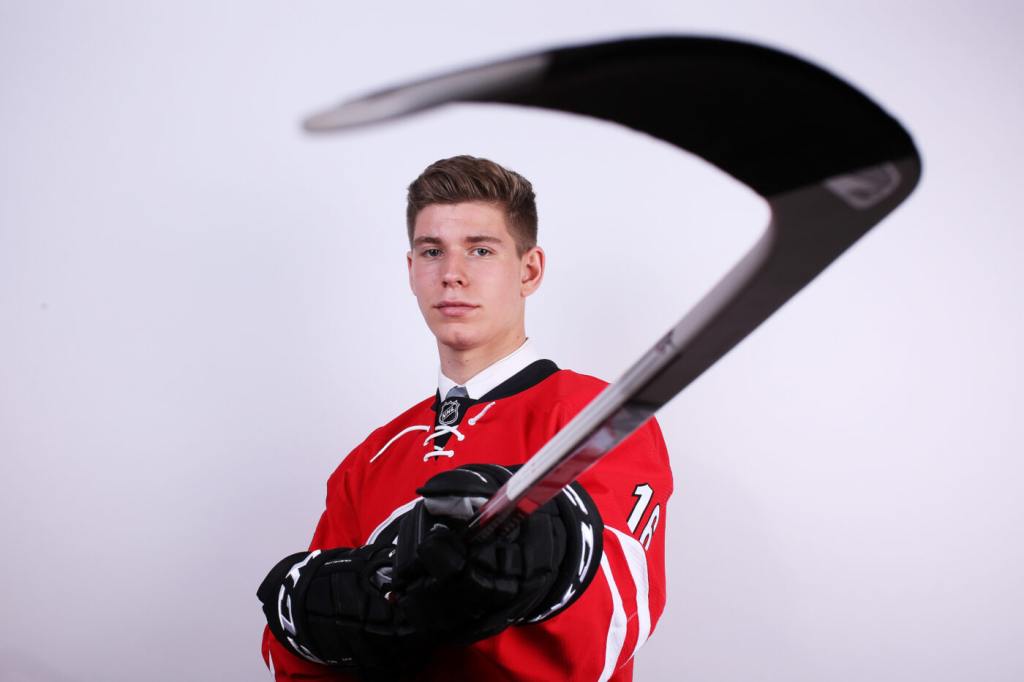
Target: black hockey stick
[{"x": 830, "y": 163}]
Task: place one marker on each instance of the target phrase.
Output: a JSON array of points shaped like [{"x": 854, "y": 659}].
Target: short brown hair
[{"x": 468, "y": 178}]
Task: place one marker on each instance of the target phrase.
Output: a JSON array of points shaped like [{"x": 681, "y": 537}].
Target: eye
[
  {"x": 481, "y": 251},
  {"x": 431, "y": 253}
]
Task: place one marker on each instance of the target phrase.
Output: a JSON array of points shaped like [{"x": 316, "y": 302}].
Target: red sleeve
[
  {"x": 338, "y": 527},
  {"x": 597, "y": 636},
  {"x": 631, "y": 487}
]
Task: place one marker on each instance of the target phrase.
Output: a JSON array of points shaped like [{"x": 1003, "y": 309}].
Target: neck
[{"x": 462, "y": 365}]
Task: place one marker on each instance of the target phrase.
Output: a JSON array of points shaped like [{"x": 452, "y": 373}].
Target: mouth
[{"x": 455, "y": 308}]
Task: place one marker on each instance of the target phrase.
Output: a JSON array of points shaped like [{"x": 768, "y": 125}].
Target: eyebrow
[{"x": 472, "y": 239}]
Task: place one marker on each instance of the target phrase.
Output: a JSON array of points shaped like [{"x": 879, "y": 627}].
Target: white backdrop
[{"x": 202, "y": 310}]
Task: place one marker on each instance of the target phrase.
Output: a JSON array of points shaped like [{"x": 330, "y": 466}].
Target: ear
[
  {"x": 531, "y": 271},
  {"x": 408, "y": 262}
]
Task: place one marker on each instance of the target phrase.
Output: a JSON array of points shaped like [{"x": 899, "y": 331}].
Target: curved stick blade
[{"x": 830, "y": 162}]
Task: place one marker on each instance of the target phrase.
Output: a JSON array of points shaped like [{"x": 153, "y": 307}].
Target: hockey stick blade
[{"x": 830, "y": 163}]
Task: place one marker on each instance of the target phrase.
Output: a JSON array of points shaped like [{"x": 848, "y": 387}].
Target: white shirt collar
[{"x": 483, "y": 381}]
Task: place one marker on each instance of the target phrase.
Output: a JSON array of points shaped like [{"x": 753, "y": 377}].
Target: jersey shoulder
[
  {"x": 415, "y": 415},
  {"x": 419, "y": 415},
  {"x": 575, "y": 390},
  {"x": 572, "y": 388}
]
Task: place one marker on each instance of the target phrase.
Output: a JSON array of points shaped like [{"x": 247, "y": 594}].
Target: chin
[{"x": 458, "y": 339}]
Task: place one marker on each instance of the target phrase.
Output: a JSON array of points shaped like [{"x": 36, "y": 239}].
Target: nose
[{"x": 454, "y": 273}]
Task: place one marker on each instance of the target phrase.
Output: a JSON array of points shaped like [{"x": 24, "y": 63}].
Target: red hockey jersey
[{"x": 593, "y": 639}]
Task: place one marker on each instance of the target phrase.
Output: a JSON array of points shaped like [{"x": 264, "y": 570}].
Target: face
[{"x": 470, "y": 283}]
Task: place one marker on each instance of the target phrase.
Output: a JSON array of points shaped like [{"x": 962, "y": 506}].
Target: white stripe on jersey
[
  {"x": 616, "y": 627},
  {"x": 636, "y": 559},
  {"x": 394, "y": 515}
]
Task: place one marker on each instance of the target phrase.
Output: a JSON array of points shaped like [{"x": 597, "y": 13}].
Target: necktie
[{"x": 457, "y": 392}]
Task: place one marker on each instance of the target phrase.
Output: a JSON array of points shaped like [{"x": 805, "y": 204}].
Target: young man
[{"x": 389, "y": 589}]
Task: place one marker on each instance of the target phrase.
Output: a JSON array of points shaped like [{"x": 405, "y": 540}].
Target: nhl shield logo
[{"x": 449, "y": 412}]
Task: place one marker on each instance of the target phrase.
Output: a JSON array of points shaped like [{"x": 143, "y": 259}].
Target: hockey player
[{"x": 388, "y": 588}]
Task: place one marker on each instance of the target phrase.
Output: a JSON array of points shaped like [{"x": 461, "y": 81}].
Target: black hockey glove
[
  {"x": 330, "y": 607},
  {"x": 457, "y": 591}
]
